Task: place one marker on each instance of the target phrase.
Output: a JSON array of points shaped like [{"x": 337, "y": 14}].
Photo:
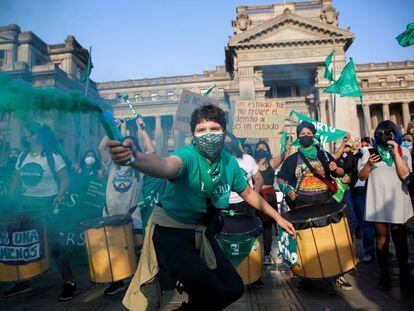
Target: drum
[
  {"x": 24, "y": 251},
  {"x": 325, "y": 246},
  {"x": 110, "y": 248},
  {"x": 242, "y": 243}
]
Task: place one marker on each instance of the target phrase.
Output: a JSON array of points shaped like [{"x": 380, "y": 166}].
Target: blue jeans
[
  {"x": 353, "y": 220},
  {"x": 368, "y": 236}
]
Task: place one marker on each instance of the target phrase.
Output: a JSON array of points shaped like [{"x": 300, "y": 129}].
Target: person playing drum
[
  {"x": 200, "y": 178},
  {"x": 300, "y": 185}
]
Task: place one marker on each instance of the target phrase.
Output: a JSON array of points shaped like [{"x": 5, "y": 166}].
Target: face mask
[
  {"x": 306, "y": 141},
  {"x": 261, "y": 154},
  {"x": 90, "y": 161},
  {"x": 209, "y": 145},
  {"x": 363, "y": 149},
  {"x": 407, "y": 144},
  {"x": 384, "y": 138}
]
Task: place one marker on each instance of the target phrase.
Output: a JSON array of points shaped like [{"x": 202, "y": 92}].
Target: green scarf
[
  {"x": 386, "y": 154},
  {"x": 311, "y": 153},
  {"x": 210, "y": 174}
]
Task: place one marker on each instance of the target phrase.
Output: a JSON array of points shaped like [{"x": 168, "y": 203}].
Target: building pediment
[{"x": 289, "y": 28}]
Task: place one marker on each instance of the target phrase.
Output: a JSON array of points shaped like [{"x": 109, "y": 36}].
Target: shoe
[
  {"x": 114, "y": 288},
  {"x": 367, "y": 258},
  {"x": 69, "y": 291},
  {"x": 267, "y": 260},
  {"x": 342, "y": 283},
  {"x": 258, "y": 284},
  {"x": 384, "y": 282},
  {"x": 18, "y": 288}
]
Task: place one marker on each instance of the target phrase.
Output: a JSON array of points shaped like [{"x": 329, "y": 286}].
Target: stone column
[
  {"x": 15, "y": 132},
  {"x": 166, "y": 128},
  {"x": 246, "y": 83},
  {"x": 322, "y": 111},
  {"x": 386, "y": 111},
  {"x": 405, "y": 114},
  {"x": 158, "y": 135},
  {"x": 367, "y": 121},
  {"x": 178, "y": 139}
]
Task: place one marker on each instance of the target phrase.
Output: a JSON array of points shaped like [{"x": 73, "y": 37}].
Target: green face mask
[{"x": 209, "y": 145}]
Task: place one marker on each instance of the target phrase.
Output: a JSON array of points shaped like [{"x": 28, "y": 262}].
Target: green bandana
[
  {"x": 386, "y": 154},
  {"x": 209, "y": 145},
  {"x": 210, "y": 174},
  {"x": 288, "y": 247},
  {"x": 311, "y": 153}
]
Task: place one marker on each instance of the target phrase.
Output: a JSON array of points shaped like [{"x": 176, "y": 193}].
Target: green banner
[
  {"x": 236, "y": 247},
  {"x": 326, "y": 133},
  {"x": 288, "y": 247}
]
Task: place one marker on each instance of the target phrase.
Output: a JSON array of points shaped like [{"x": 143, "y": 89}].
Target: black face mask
[
  {"x": 384, "y": 138},
  {"x": 260, "y": 154},
  {"x": 306, "y": 141}
]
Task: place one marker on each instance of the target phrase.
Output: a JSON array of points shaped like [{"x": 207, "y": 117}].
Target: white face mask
[
  {"x": 90, "y": 160},
  {"x": 363, "y": 149}
]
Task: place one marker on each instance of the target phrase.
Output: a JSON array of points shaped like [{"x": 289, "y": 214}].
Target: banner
[
  {"x": 188, "y": 102},
  {"x": 326, "y": 133},
  {"x": 288, "y": 247},
  {"x": 262, "y": 118},
  {"x": 95, "y": 193},
  {"x": 22, "y": 246}
]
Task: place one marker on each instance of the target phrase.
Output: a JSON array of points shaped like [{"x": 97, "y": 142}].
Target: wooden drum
[
  {"x": 110, "y": 248},
  {"x": 24, "y": 251},
  {"x": 325, "y": 246},
  {"x": 242, "y": 243}
]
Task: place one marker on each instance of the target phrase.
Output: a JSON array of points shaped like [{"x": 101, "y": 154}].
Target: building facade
[
  {"x": 277, "y": 51},
  {"x": 25, "y": 56}
]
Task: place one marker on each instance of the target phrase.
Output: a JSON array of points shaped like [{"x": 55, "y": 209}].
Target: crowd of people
[{"x": 196, "y": 183}]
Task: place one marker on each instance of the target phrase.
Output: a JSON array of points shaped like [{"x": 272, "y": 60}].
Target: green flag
[
  {"x": 347, "y": 84},
  {"x": 283, "y": 141},
  {"x": 407, "y": 37},
  {"x": 87, "y": 72},
  {"x": 325, "y": 133},
  {"x": 329, "y": 67},
  {"x": 206, "y": 93}
]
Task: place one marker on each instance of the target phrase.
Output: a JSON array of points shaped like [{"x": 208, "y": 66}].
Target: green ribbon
[
  {"x": 386, "y": 154},
  {"x": 210, "y": 174}
]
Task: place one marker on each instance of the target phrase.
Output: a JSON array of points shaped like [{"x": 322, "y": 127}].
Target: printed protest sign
[
  {"x": 288, "y": 247},
  {"x": 188, "y": 102},
  {"x": 22, "y": 246},
  {"x": 262, "y": 118}
]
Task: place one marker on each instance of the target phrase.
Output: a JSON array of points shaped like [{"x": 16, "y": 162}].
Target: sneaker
[
  {"x": 114, "y": 288},
  {"x": 267, "y": 260},
  {"x": 342, "y": 283},
  {"x": 69, "y": 291},
  {"x": 258, "y": 284},
  {"x": 367, "y": 258},
  {"x": 18, "y": 288}
]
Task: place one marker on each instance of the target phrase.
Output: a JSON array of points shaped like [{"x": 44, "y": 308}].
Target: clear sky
[{"x": 143, "y": 39}]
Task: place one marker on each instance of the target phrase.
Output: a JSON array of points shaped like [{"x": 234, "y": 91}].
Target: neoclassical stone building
[
  {"x": 23, "y": 55},
  {"x": 277, "y": 51}
]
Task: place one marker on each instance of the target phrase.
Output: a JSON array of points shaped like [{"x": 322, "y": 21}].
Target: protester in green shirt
[{"x": 200, "y": 179}]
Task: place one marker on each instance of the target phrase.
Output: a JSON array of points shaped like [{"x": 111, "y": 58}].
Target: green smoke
[{"x": 21, "y": 97}]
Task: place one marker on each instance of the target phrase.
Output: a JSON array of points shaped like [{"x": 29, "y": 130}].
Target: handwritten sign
[
  {"x": 95, "y": 194},
  {"x": 21, "y": 247},
  {"x": 188, "y": 102},
  {"x": 262, "y": 118}
]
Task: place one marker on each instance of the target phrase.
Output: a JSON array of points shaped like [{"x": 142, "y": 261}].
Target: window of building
[
  {"x": 2, "y": 58},
  {"x": 154, "y": 96},
  {"x": 78, "y": 73},
  {"x": 137, "y": 96},
  {"x": 170, "y": 93},
  {"x": 400, "y": 78},
  {"x": 364, "y": 81},
  {"x": 382, "y": 79},
  {"x": 284, "y": 91}
]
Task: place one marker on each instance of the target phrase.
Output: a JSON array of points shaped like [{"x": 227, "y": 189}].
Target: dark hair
[
  {"x": 208, "y": 112},
  {"x": 367, "y": 140},
  {"x": 234, "y": 146},
  {"x": 262, "y": 142},
  {"x": 388, "y": 125},
  {"x": 96, "y": 166},
  {"x": 50, "y": 145},
  {"x": 305, "y": 124},
  {"x": 250, "y": 152}
]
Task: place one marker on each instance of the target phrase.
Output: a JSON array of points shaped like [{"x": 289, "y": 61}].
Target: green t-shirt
[{"x": 183, "y": 199}]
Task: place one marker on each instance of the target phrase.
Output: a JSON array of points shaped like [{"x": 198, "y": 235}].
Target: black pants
[{"x": 179, "y": 260}]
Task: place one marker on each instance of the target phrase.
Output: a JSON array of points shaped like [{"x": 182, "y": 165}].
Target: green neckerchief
[
  {"x": 311, "y": 153},
  {"x": 386, "y": 154},
  {"x": 210, "y": 174}
]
